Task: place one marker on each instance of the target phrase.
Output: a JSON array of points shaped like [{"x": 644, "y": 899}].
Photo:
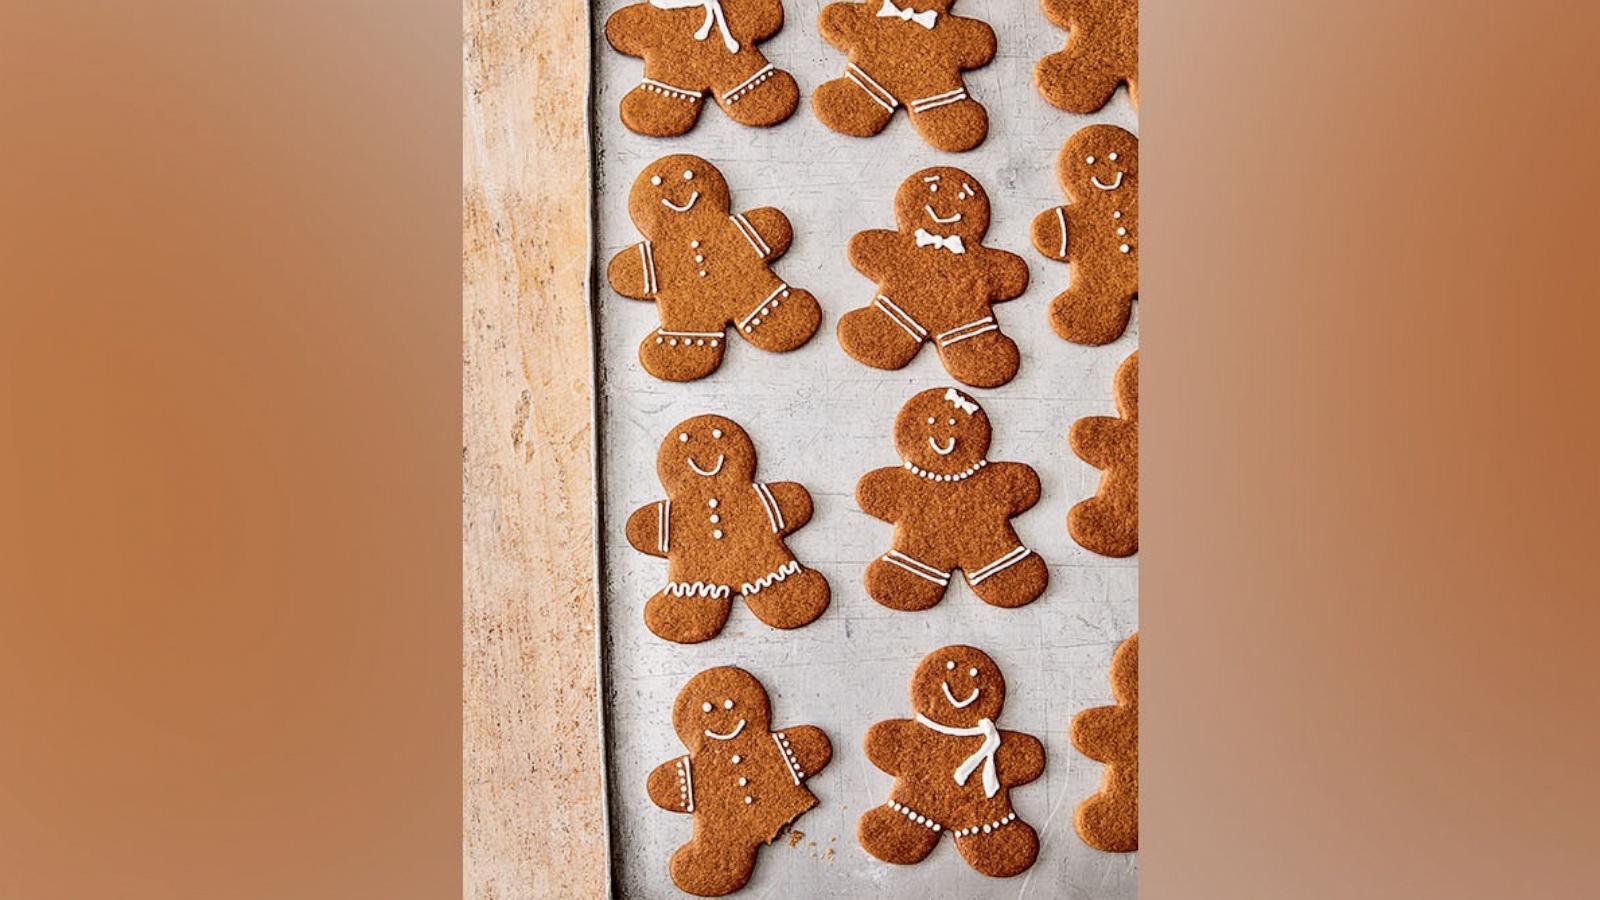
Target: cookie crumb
[{"x": 795, "y": 837}]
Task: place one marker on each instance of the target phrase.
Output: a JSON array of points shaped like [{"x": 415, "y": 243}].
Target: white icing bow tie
[
  {"x": 951, "y": 243},
  {"x": 890, "y": 11},
  {"x": 984, "y": 756},
  {"x": 714, "y": 14}
]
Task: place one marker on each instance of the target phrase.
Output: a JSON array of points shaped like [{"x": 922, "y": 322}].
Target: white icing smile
[
  {"x": 943, "y": 451},
  {"x": 947, "y": 220},
  {"x": 958, "y": 704},
  {"x": 695, "y": 198},
  {"x": 1095, "y": 180},
  {"x": 707, "y": 473},
  {"x": 738, "y": 728}
]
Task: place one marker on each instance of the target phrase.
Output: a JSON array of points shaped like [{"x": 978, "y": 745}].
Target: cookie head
[
  {"x": 942, "y": 431},
  {"x": 677, "y": 189},
  {"x": 943, "y": 201},
  {"x": 720, "y": 705},
  {"x": 957, "y": 686},
  {"x": 703, "y": 451},
  {"x": 1100, "y": 160}
]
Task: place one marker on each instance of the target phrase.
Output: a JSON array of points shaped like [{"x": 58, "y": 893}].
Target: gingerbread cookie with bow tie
[
  {"x": 905, "y": 53},
  {"x": 1097, "y": 233},
  {"x": 694, "y": 47},
  {"x": 740, "y": 781},
  {"x": 953, "y": 769},
  {"x": 1102, "y": 52},
  {"x": 705, "y": 268},
  {"x": 937, "y": 283}
]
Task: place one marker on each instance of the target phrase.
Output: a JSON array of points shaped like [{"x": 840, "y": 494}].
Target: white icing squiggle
[
  {"x": 784, "y": 571},
  {"x": 726, "y": 737},
  {"x": 935, "y": 476},
  {"x": 721, "y": 458},
  {"x": 697, "y": 589}
]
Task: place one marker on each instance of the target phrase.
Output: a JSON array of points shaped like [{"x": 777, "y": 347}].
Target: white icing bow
[
  {"x": 959, "y": 399},
  {"x": 890, "y": 11},
  {"x": 951, "y": 243},
  {"x": 714, "y": 14},
  {"x": 984, "y": 756}
]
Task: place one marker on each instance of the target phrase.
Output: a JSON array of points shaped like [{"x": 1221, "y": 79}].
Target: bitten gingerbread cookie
[
  {"x": 936, "y": 283},
  {"x": 720, "y": 532},
  {"x": 910, "y": 53},
  {"x": 1102, "y": 52},
  {"x": 1109, "y": 820},
  {"x": 742, "y": 782},
  {"x": 1098, "y": 233},
  {"x": 951, "y": 508},
  {"x": 706, "y": 269},
  {"x": 1108, "y": 522},
  {"x": 953, "y": 770},
  {"x": 692, "y": 46}
]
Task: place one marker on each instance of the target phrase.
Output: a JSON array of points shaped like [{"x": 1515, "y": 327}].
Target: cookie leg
[
  {"x": 658, "y": 109},
  {"x": 1073, "y": 82},
  {"x": 765, "y": 97},
  {"x": 901, "y": 582},
  {"x": 978, "y": 354},
  {"x": 889, "y": 834},
  {"x": 682, "y": 355},
  {"x": 1014, "y": 579},
  {"x": 882, "y": 335},
  {"x": 1002, "y": 851},
  {"x": 1109, "y": 823},
  {"x": 1093, "y": 310},
  {"x": 783, "y": 320},
  {"x": 854, "y": 104},
  {"x": 712, "y": 868},
  {"x": 1099, "y": 527},
  {"x": 688, "y": 613},
  {"x": 788, "y": 598},
  {"x": 950, "y": 121}
]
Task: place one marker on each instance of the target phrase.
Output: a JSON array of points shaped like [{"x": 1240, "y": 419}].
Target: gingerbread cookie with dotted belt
[
  {"x": 740, "y": 781},
  {"x": 954, "y": 770},
  {"x": 705, "y": 268},
  {"x": 722, "y": 533},
  {"x": 1097, "y": 233}
]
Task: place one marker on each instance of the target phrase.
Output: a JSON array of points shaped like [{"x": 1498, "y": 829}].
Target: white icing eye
[
  {"x": 973, "y": 672},
  {"x": 716, "y": 432},
  {"x": 1112, "y": 157},
  {"x": 683, "y": 437},
  {"x": 949, "y": 664},
  {"x": 687, "y": 174},
  {"x": 952, "y": 421},
  {"x": 933, "y": 188},
  {"x": 1089, "y": 160},
  {"x": 727, "y": 704},
  {"x": 655, "y": 180},
  {"x": 705, "y": 707}
]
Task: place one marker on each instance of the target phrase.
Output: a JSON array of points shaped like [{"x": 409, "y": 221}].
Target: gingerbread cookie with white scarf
[
  {"x": 953, "y": 770},
  {"x": 936, "y": 283},
  {"x": 951, "y": 508},
  {"x": 1097, "y": 233},
  {"x": 706, "y": 268},
  {"x": 741, "y": 782},
  {"x": 694, "y": 46},
  {"x": 720, "y": 532},
  {"x": 912, "y": 53}
]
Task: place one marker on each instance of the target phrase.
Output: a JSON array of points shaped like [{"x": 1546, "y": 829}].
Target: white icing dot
[
  {"x": 706, "y": 706},
  {"x": 655, "y": 180},
  {"x": 700, "y": 342},
  {"x": 674, "y": 343},
  {"x": 1124, "y": 248},
  {"x": 1116, "y": 214},
  {"x": 747, "y": 329},
  {"x": 737, "y": 759},
  {"x": 985, "y": 829},
  {"x": 949, "y": 664},
  {"x": 712, "y": 503},
  {"x": 743, "y": 782},
  {"x": 660, "y": 340},
  {"x": 774, "y": 304},
  {"x": 749, "y": 799},
  {"x": 930, "y": 420},
  {"x": 713, "y": 343},
  {"x": 687, "y": 174},
  {"x": 702, "y": 273},
  {"x": 1122, "y": 231},
  {"x": 973, "y": 672},
  {"x": 699, "y": 257},
  {"x": 952, "y": 421},
  {"x": 1112, "y": 157},
  {"x": 683, "y": 437},
  {"x": 717, "y": 534},
  {"x": 727, "y": 704},
  {"x": 695, "y": 244},
  {"x": 716, "y": 432},
  {"x": 755, "y": 321},
  {"x": 1089, "y": 160},
  {"x": 715, "y": 518}
]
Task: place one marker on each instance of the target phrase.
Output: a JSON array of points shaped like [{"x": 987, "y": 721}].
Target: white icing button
[
  {"x": 1124, "y": 248},
  {"x": 749, "y": 799},
  {"x": 698, "y": 257},
  {"x": 737, "y": 759},
  {"x": 727, "y": 704},
  {"x": 743, "y": 782},
  {"x": 1122, "y": 231},
  {"x": 712, "y": 503},
  {"x": 717, "y": 534},
  {"x": 1117, "y": 214},
  {"x": 973, "y": 672},
  {"x": 702, "y": 273},
  {"x": 694, "y": 243},
  {"x": 715, "y": 518}
]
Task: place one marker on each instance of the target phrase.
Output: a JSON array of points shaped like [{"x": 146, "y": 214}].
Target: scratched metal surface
[{"x": 822, "y": 419}]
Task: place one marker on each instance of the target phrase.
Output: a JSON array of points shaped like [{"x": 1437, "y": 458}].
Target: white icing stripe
[
  {"x": 661, "y": 87},
  {"x": 751, "y": 235},
  {"x": 874, "y": 90},
  {"x": 1006, "y": 819},
  {"x": 999, "y": 565},
  {"x": 647, "y": 260},
  {"x": 971, "y": 329},
  {"x": 935, "y": 476},
  {"x": 898, "y": 316},
  {"x": 921, "y": 570},
  {"x": 697, "y": 589},
  {"x": 782, "y": 741},
  {"x": 774, "y": 513},
  {"x": 762, "y": 74},
  {"x": 664, "y": 523},
  {"x": 692, "y": 334},
  {"x": 938, "y": 100},
  {"x": 753, "y": 319},
  {"x": 686, "y": 773},
  {"x": 939, "y": 96},
  {"x": 1061, "y": 219},
  {"x": 749, "y": 589},
  {"x": 912, "y": 560}
]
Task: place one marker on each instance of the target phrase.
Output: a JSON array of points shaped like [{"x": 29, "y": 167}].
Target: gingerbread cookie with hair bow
[
  {"x": 1097, "y": 233},
  {"x": 691, "y": 47},
  {"x": 1102, "y": 52},
  {"x": 937, "y": 283},
  {"x": 1108, "y": 522},
  {"x": 911, "y": 53},
  {"x": 1109, "y": 820},
  {"x": 951, "y": 508},
  {"x": 954, "y": 770},
  {"x": 706, "y": 267}
]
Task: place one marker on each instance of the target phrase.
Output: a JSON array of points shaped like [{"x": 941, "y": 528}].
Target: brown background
[{"x": 231, "y": 483}]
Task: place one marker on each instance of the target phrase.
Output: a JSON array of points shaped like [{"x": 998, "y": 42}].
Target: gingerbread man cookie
[
  {"x": 936, "y": 282},
  {"x": 720, "y": 531},
  {"x": 1108, "y": 522},
  {"x": 706, "y": 269},
  {"x": 740, "y": 781},
  {"x": 1109, "y": 820},
  {"x": 911, "y": 53},
  {"x": 692, "y": 46},
  {"x": 1098, "y": 233},
  {"x": 1102, "y": 52},
  {"x": 951, "y": 508},
  {"x": 953, "y": 770}
]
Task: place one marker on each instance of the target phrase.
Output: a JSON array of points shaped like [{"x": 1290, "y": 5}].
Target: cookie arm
[
  {"x": 872, "y": 252},
  {"x": 843, "y": 24},
  {"x": 878, "y": 494},
  {"x": 794, "y": 505},
  {"x": 628, "y": 29},
  {"x": 1020, "y": 758},
  {"x": 1049, "y": 233},
  {"x": 1061, "y": 13},
  {"x": 670, "y": 785},
  {"x": 885, "y": 742},
  {"x": 1096, "y": 440},
  {"x": 1018, "y": 486},
  {"x": 649, "y": 529},
  {"x": 1008, "y": 275},
  {"x": 1102, "y": 733},
  {"x": 809, "y": 747},
  {"x": 631, "y": 272},
  {"x": 973, "y": 41},
  {"x": 772, "y": 229}
]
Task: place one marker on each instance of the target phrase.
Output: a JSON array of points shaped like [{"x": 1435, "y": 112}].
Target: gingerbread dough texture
[
  {"x": 1097, "y": 233},
  {"x": 907, "y": 54},
  {"x": 951, "y": 508},
  {"x": 1102, "y": 51},
  {"x": 937, "y": 283},
  {"x": 722, "y": 533},
  {"x": 741, "y": 781},
  {"x": 1108, "y": 522},
  {"x": 706, "y": 268},
  {"x": 1109, "y": 820},
  {"x": 694, "y": 47},
  {"x": 953, "y": 769}
]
